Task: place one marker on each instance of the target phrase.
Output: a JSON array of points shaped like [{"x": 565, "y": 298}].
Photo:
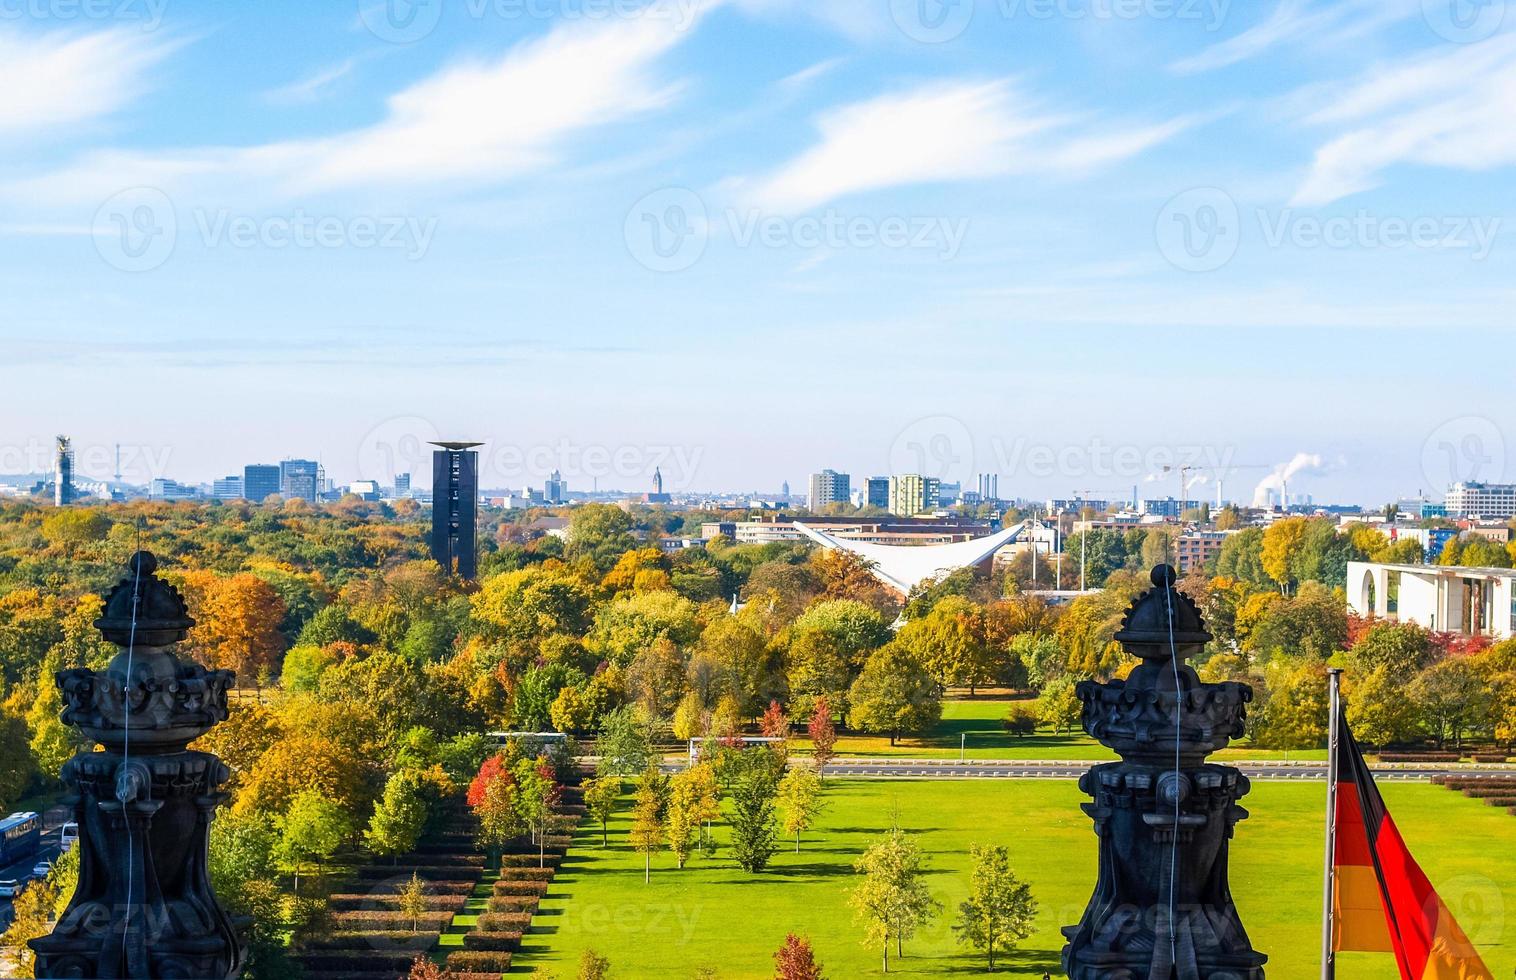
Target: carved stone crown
[{"x": 143, "y": 610}]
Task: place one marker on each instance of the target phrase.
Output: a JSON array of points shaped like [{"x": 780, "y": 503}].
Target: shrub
[
  {"x": 513, "y": 903},
  {"x": 492, "y": 940},
  {"x": 480, "y": 961},
  {"x": 374, "y": 939},
  {"x": 389, "y": 921},
  {"x": 528, "y": 874},
  {"x": 537, "y": 888},
  {"x": 1021, "y": 720},
  {"x": 504, "y": 921}
]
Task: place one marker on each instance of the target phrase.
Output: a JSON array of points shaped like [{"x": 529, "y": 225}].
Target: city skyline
[{"x": 1058, "y": 211}]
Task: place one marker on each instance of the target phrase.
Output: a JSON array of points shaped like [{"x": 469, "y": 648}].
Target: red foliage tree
[
  {"x": 774, "y": 723},
  {"x": 823, "y": 733},
  {"x": 796, "y": 961},
  {"x": 493, "y": 768}
]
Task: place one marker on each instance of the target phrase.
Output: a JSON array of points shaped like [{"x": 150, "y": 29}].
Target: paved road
[{"x": 22, "y": 870}]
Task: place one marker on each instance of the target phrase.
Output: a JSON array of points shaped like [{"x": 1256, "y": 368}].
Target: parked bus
[{"x": 20, "y": 837}]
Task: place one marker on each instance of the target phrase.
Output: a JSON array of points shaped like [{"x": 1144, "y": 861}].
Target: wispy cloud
[
  {"x": 1448, "y": 109},
  {"x": 1316, "y": 23},
  {"x": 58, "y": 80},
  {"x": 483, "y": 120},
  {"x": 944, "y": 132},
  {"x": 312, "y": 87}
]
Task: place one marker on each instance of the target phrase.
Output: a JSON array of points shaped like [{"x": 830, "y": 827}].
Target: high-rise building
[
  {"x": 555, "y": 490},
  {"x": 912, "y": 494},
  {"x": 260, "y": 481},
  {"x": 63, "y": 473},
  {"x": 227, "y": 488},
  {"x": 1496, "y": 501},
  {"x": 402, "y": 485},
  {"x": 455, "y": 507},
  {"x": 300, "y": 479},
  {"x": 877, "y": 492},
  {"x": 828, "y": 487}
]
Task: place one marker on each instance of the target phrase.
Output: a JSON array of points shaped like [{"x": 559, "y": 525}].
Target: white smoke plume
[{"x": 1277, "y": 481}]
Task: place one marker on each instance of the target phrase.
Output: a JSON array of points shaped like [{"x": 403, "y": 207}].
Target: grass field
[
  {"x": 713, "y": 914},
  {"x": 978, "y": 723}
]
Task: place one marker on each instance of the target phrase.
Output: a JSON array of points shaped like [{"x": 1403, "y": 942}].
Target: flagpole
[{"x": 1328, "y": 956}]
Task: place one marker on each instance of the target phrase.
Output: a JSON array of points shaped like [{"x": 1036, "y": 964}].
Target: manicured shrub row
[
  {"x": 1489, "y": 791},
  {"x": 513, "y": 903},
  {"x": 1489, "y": 757},
  {"x": 534, "y": 888},
  {"x": 1474, "y": 782},
  {"x": 374, "y": 939},
  {"x": 388, "y": 921},
  {"x": 360, "y": 961},
  {"x": 505, "y": 921},
  {"x": 480, "y": 961},
  {"x": 510, "y": 862},
  {"x": 1419, "y": 757},
  {"x": 504, "y": 940},
  {"x": 431, "y": 872},
  {"x": 388, "y": 901}
]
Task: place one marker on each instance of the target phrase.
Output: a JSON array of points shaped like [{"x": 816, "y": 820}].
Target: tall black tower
[{"x": 455, "y": 507}]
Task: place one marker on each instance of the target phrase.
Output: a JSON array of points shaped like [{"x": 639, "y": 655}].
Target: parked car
[
  {"x": 10, "y": 887},
  {"x": 42, "y": 869}
]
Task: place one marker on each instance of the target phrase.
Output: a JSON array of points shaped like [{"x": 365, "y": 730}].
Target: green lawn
[
  {"x": 978, "y": 723},
  {"x": 713, "y": 914}
]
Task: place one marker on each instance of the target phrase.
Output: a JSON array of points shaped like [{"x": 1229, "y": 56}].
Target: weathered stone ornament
[
  {"x": 1162, "y": 912},
  {"x": 144, "y": 905}
]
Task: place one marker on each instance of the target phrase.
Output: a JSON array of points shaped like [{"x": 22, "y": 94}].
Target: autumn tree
[
  {"x": 892, "y": 900},
  {"x": 593, "y": 966},
  {"x": 239, "y": 620},
  {"x": 795, "y": 960},
  {"x": 647, "y": 820},
  {"x": 685, "y": 811},
  {"x": 33, "y": 912},
  {"x": 799, "y": 800},
  {"x": 411, "y": 899},
  {"x": 1000, "y": 910},
  {"x": 600, "y": 797},
  {"x": 823, "y": 735}
]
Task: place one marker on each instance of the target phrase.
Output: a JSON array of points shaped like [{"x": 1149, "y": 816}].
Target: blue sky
[{"x": 743, "y": 240}]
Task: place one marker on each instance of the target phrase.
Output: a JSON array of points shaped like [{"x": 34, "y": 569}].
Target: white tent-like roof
[{"x": 903, "y": 566}]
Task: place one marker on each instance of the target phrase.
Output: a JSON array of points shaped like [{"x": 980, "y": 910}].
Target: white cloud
[
  {"x": 1306, "y": 22},
  {"x": 59, "y": 80},
  {"x": 1449, "y": 109},
  {"x": 941, "y": 132},
  {"x": 312, "y": 87},
  {"x": 482, "y": 121}
]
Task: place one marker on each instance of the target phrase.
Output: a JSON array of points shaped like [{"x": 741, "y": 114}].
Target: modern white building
[
  {"x": 1444, "y": 598},
  {"x": 903, "y": 567},
  {"x": 1489, "y": 500}
]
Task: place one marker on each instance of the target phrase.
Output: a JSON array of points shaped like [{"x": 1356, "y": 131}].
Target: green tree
[
  {"x": 1059, "y": 706},
  {"x": 312, "y": 830},
  {"x": 685, "y": 809},
  {"x": 52, "y": 743},
  {"x": 1452, "y": 697},
  {"x": 600, "y": 797},
  {"x": 1378, "y": 710},
  {"x": 16, "y": 762},
  {"x": 894, "y": 695},
  {"x": 626, "y": 743},
  {"x": 753, "y": 819},
  {"x": 593, "y": 966},
  {"x": 892, "y": 900},
  {"x": 74, "y": 528},
  {"x": 799, "y": 800},
  {"x": 33, "y": 911},
  {"x": 399, "y": 816},
  {"x": 1000, "y": 910}
]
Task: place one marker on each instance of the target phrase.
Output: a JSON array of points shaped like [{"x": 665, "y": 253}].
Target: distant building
[
  {"x": 1195, "y": 548},
  {"x": 1076, "y": 505},
  {"x": 367, "y": 489},
  {"x": 227, "y": 488},
  {"x": 1488, "y": 500},
  {"x": 873, "y": 530},
  {"x": 455, "y": 507},
  {"x": 989, "y": 486},
  {"x": 1167, "y": 507},
  {"x": 877, "y": 492},
  {"x": 949, "y": 493},
  {"x": 555, "y": 490},
  {"x": 1444, "y": 598},
  {"x": 161, "y": 489},
  {"x": 912, "y": 494},
  {"x": 300, "y": 479},
  {"x": 63, "y": 473},
  {"x": 260, "y": 481},
  {"x": 784, "y": 491},
  {"x": 657, "y": 496},
  {"x": 828, "y": 487},
  {"x": 402, "y": 485}
]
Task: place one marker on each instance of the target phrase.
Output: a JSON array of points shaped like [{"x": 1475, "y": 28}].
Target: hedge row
[
  {"x": 359, "y": 961},
  {"x": 504, "y": 921},
  {"x": 513, "y": 903},
  {"x": 535, "y": 888},
  {"x": 513, "y": 861},
  {"x": 430, "y": 872},
  {"x": 480, "y": 961},
  {"x": 375, "y": 939},
  {"x": 388, "y": 921},
  {"x": 509, "y": 939},
  {"x": 389, "y": 903},
  {"x": 1419, "y": 757}
]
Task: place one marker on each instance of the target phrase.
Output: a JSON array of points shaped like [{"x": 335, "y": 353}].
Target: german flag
[{"x": 1382, "y": 900}]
